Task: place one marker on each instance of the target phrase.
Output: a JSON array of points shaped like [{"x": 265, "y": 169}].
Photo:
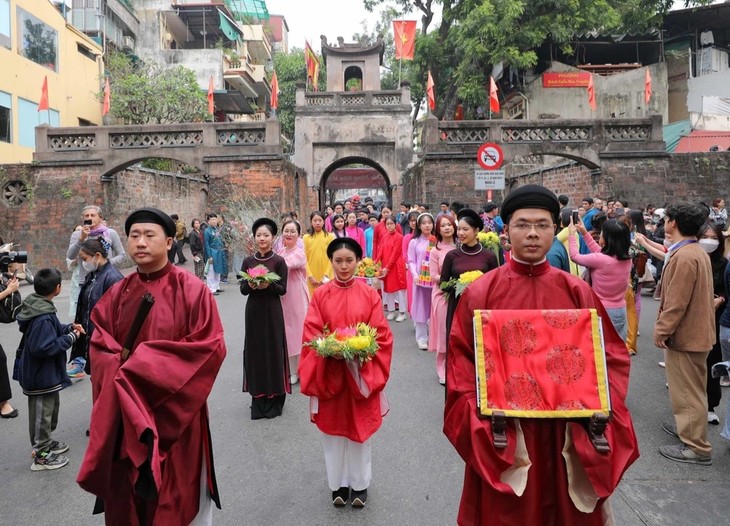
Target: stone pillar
[
  {"x": 405, "y": 93},
  {"x": 273, "y": 131},
  {"x": 301, "y": 95},
  {"x": 431, "y": 135}
]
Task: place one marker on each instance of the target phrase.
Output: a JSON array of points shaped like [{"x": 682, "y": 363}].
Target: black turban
[
  {"x": 474, "y": 219},
  {"x": 530, "y": 196},
  {"x": 151, "y": 215},
  {"x": 267, "y": 222},
  {"x": 344, "y": 242}
]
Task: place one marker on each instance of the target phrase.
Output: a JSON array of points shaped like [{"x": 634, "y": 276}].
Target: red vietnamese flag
[
  {"x": 107, "y": 97},
  {"x": 493, "y": 97},
  {"x": 274, "y": 91},
  {"x": 43, "y": 104},
  {"x": 647, "y": 86},
  {"x": 404, "y": 32},
  {"x": 312, "y": 63},
  {"x": 430, "y": 92},
  {"x": 211, "y": 104},
  {"x": 591, "y": 93}
]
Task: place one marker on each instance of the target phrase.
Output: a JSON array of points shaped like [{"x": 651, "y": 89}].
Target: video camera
[{"x": 9, "y": 257}]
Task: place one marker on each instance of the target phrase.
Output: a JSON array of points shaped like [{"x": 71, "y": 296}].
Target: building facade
[{"x": 36, "y": 43}]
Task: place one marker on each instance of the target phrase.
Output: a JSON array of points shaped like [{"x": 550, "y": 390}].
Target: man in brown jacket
[{"x": 685, "y": 329}]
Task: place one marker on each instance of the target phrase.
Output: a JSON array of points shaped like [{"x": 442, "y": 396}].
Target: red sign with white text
[{"x": 566, "y": 79}]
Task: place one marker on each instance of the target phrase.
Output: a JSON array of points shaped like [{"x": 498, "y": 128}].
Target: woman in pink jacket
[{"x": 609, "y": 265}]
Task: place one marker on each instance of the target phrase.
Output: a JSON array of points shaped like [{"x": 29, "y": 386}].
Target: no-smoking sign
[{"x": 490, "y": 156}]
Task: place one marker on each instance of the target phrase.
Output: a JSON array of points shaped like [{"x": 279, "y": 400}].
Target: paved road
[{"x": 272, "y": 472}]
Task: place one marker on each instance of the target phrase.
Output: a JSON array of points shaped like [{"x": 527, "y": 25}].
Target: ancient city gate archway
[{"x": 353, "y": 173}]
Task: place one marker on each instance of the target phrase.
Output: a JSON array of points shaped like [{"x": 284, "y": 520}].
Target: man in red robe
[
  {"x": 549, "y": 473},
  {"x": 149, "y": 459}
]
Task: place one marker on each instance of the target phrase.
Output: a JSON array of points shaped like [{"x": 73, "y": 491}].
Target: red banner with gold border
[{"x": 540, "y": 363}]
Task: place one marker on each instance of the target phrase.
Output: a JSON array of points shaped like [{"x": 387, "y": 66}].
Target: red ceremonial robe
[
  {"x": 486, "y": 498},
  {"x": 149, "y": 432},
  {"x": 342, "y": 409}
]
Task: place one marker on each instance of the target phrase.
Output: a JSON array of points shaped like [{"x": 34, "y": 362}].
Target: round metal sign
[{"x": 490, "y": 156}]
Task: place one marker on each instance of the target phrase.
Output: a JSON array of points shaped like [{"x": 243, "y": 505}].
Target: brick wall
[
  {"x": 687, "y": 176},
  {"x": 43, "y": 224}
]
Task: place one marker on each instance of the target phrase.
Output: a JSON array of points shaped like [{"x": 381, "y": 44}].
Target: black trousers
[{"x": 5, "y": 392}]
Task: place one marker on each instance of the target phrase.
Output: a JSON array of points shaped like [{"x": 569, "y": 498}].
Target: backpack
[{"x": 10, "y": 305}]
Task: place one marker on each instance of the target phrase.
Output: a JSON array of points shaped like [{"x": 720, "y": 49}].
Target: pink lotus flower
[
  {"x": 257, "y": 271},
  {"x": 345, "y": 333}
]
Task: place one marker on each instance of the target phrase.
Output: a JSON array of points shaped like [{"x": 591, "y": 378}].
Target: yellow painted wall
[{"x": 71, "y": 88}]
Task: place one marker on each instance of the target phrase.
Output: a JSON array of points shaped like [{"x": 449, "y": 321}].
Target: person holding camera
[
  {"x": 93, "y": 227},
  {"x": 6, "y": 410}
]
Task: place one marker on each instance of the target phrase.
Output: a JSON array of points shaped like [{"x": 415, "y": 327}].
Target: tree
[
  {"x": 474, "y": 35},
  {"x": 291, "y": 70},
  {"x": 145, "y": 93}
]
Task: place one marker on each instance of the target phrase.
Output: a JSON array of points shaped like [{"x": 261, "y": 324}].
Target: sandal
[{"x": 11, "y": 414}]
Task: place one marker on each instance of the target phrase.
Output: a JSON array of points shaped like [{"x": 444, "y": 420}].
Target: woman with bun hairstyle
[
  {"x": 469, "y": 256},
  {"x": 347, "y": 402},
  {"x": 265, "y": 363}
]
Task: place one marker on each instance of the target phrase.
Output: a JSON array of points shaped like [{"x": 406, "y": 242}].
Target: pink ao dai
[
  {"x": 295, "y": 302},
  {"x": 437, "y": 333}
]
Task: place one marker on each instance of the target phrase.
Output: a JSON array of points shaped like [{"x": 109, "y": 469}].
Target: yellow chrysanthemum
[
  {"x": 358, "y": 343},
  {"x": 468, "y": 277}
]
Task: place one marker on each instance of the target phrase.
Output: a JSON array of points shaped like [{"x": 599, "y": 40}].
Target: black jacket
[
  {"x": 195, "y": 240},
  {"x": 96, "y": 284}
]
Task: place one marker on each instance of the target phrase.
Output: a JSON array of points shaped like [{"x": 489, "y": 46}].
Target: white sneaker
[
  {"x": 390, "y": 316},
  {"x": 712, "y": 418},
  {"x": 423, "y": 346},
  {"x": 442, "y": 381},
  {"x": 294, "y": 379},
  {"x": 402, "y": 317},
  {"x": 662, "y": 364}
]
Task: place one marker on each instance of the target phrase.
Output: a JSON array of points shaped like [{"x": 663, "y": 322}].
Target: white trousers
[
  {"x": 348, "y": 463},
  {"x": 213, "y": 279},
  {"x": 389, "y": 299},
  {"x": 421, "y": 332}
]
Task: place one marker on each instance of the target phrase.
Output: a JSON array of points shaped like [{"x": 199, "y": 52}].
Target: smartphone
[
  {"x": 620, "y": 211},
  {"x": 87, "y": 222},
  {"x": 576, "y": 217},
  {"x": 15, "y": 273}
]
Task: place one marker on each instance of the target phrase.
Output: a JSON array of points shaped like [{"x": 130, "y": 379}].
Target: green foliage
[
  {"x": 290, "y": 69},
  {"x": 150, "y": 94},
  {"x": 476, "y": 34}
]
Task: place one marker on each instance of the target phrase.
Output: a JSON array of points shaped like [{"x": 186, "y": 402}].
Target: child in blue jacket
[{"x": 42, "y": 366}]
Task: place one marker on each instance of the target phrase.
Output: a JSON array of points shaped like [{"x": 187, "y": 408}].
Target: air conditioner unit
[{"x": 128, "y": 42}]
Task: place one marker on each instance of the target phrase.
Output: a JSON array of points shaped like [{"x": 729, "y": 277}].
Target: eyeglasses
[{"x": 539, "y": 227}]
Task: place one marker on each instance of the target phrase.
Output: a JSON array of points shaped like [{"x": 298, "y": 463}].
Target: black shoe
[
  {"x": 340, "y": 497},
  {"x": 359, "y": 498},
  {"x": 670, "y": 429}
]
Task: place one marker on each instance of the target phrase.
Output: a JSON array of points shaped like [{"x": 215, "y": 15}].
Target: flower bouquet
[
  {"x": 424, "y": 273},
  {"x": 490, "y": 241},
  {"x": 458, "y": 285},
  {"x": 349, "y": 343},
  {"x": 258, "y": 275},
  {"x": 367, "y": 268}
]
